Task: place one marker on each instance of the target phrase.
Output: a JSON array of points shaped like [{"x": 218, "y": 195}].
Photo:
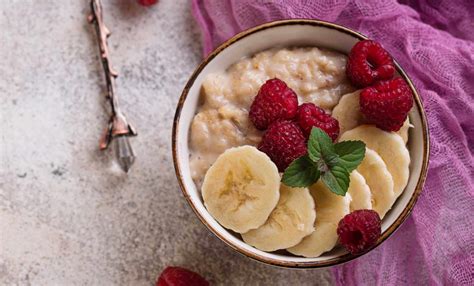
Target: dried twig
[{"x": 118, "y": 127}]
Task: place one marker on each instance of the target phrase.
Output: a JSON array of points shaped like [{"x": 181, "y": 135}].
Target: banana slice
[
  {"x": 291, "y": 220},
  {"x": 379, "y": 180},
  {"x": 241, "y": 188},
  {"x": 359, "y": 191},
  {"x": 347, "y": 112},
  {"x": 330, "y": 209},
  {"x": 403, "y": 132},
  {"x": 390, "y": 147}
]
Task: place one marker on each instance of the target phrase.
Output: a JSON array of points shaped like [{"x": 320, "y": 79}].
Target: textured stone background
[{"x": 67, "y": 215}]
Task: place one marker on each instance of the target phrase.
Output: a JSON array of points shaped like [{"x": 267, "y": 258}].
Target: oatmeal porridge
[
  {"x": 222, "y": 122},
  {"x": 330, "y": 160}
]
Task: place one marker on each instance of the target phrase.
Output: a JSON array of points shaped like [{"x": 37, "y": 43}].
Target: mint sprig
[{"x": 333, "y": 163}]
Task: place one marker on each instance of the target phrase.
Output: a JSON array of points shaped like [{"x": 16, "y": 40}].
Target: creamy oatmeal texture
[{"x": 222, "y": 121}]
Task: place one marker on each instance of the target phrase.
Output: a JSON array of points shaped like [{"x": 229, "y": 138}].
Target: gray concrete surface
[{"x": 67, "y": 215}]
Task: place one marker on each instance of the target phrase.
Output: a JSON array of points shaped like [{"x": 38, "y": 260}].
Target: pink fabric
[{"x": 434, "y": 41}]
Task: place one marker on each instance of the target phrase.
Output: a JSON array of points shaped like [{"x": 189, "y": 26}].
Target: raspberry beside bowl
[{"x": 289, "y": 33}]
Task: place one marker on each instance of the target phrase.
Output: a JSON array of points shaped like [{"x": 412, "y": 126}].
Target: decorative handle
[{"x": 118, "y": 126}]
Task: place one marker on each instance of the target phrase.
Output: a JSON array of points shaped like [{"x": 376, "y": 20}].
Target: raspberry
[
  {"x": 387, "y": 103},
  {"x": 309, "y": 116},
  {"x": 359, "y": 230},
  {"x": 283, "y": 142},
  {"x": 178, "y": 276},
  {"x": 275, "y": 100},
  {"x": 147, "y": 2},
  {"x": 369, "y": 62}
]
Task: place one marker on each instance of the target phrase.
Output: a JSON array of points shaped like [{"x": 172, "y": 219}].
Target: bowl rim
[{"x": 290, "y": 264}]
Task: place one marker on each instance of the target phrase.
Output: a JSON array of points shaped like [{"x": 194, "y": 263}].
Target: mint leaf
[
  {"x": 320, "y": 146},
  {"x": 331, "y": 159},
  {"x": 332, "y": 162},
  {"x": 337, "y": 180},
  {"x": 350, "y": 153},
  {"x": 302, "y": 172}
]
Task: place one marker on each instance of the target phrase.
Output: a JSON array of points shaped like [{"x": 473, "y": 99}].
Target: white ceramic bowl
[{"x": 289, "y": 33}]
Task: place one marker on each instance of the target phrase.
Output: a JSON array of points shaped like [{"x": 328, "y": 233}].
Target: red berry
[
  {"x": 359, "y": 230},
  {"x": 178, "y": 276},
  {"x": 387, "y": 103},
  {"x": 369, "y": 62},
  {"x": 275, "y": 100},
  {"x": 147, "y": 2},
  {"x": 310, "y": 115},
  {"x": 283, "y": 142}
]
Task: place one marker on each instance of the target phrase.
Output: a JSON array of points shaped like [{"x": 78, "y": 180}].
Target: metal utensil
[{"x": 118, "y": 127}]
